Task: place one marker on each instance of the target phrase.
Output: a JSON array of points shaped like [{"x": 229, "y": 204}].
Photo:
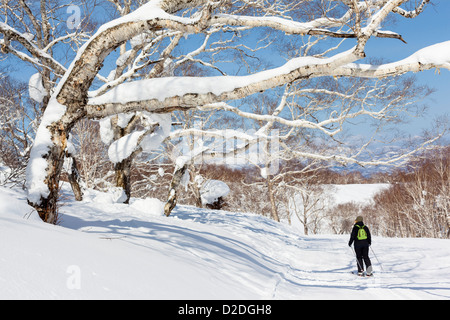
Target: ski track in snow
[{"x": 203, "y": 254}]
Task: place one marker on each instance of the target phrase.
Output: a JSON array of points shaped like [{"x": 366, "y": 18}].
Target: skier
[{"x": 361, "y": 237}]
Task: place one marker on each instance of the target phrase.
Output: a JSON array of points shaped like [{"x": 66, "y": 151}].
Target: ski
[
  {"x": 367, "y": 273},
  {"x": 363, "y": 275}
]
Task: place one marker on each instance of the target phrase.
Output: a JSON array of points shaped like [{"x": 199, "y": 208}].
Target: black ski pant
[{"x": 362, "y": 254}]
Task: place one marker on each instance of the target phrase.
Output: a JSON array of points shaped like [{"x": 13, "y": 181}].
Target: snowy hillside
[{"x": 104, "y": 250}]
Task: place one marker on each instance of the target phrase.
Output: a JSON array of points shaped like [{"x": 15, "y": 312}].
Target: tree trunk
[
  {"x": 196, "y": 186},
  {"x": 172, "y": 197},
  {"x": 305, "y": 225},
  {"x": 273, "y": 207},
  {"x": 122, "y": 176},
  {"x": 74, "y": 179},
  {"x": 47, "y": 207},
  {"x": 197, "y": 196},
  {"x": 448, "y": 224}
]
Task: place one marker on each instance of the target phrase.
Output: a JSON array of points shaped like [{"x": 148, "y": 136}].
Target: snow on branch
[
  {"x": 125, "y": 146},
  {"x": 434, "y": 56},
  {"x": 316, "y": 27},
  {"x": 111, "y": 35},
  {"x": 414, "y": 13},
  {"x": 170, "y": 93}
]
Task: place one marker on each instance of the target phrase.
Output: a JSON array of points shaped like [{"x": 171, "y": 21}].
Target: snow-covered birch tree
[{"x": 73, "y": 98}]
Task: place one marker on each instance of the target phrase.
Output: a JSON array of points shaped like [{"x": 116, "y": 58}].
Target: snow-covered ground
[
  {"x": 104, "y": 250},
  {"x": 356, "y": 193}
]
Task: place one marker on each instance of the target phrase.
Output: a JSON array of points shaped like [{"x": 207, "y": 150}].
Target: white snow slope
[{"x": 104, "y": 250}]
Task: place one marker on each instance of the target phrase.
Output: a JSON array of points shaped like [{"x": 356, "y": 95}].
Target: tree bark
[
  {"x": 74, "y": 178},
  {"x": 47, "y": 208},
  {"x": 122, "y": 176},
  {"x": 196, "y": 186},
  {"x": 273, "y": 206},
  {"x": 172, "y": 197}
]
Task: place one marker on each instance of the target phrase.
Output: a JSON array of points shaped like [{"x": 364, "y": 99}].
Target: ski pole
[
  {"x": 357, "y": 261},
  {"x": 381, "y": 266}
]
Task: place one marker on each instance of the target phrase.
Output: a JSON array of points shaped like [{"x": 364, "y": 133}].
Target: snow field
[{"x": 106, "y": 250}]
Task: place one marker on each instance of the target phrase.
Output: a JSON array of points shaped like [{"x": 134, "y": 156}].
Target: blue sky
[{"x": 432, "y": 26}]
